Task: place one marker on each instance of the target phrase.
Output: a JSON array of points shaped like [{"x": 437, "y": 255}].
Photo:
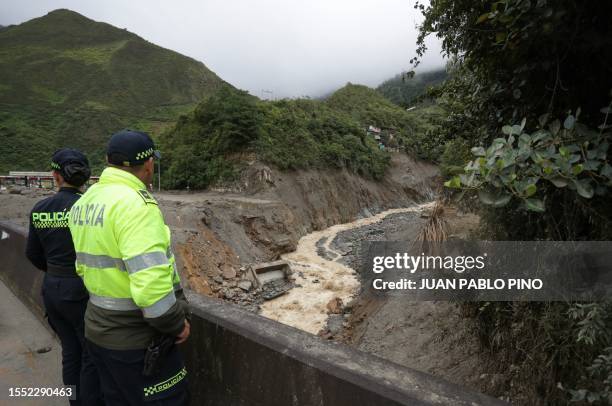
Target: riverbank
[
  {"x": 324, "y": 283},
  {"x": 433, "y": 337}
]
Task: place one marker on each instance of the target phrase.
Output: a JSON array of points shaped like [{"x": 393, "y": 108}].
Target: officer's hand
[{"x": 184, "y": 334}]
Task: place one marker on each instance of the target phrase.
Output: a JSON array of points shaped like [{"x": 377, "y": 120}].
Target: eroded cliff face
[{"x": 264, "y": 215}]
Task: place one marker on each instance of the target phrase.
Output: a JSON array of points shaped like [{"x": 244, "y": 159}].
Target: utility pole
[{"x": 159, "y": 175}]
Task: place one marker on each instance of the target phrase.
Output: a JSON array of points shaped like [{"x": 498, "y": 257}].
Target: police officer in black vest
[{"x": 50, "y": 249}]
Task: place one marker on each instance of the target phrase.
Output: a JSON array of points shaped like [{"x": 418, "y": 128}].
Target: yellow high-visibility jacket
[{"x": 124, "y": 256}]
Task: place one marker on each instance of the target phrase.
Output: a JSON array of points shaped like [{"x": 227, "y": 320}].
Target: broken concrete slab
[
  {"x": 245, "y": 285},
  {"x": 268, "y": 272}
]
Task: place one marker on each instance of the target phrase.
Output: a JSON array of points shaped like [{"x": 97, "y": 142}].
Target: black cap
[
  {"x": 130, "y": 148},
  {"x": 72, "y": 165},
  {"x": 66, "y": 156}
]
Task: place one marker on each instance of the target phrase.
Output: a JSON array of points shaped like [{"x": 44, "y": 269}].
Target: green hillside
[
  {"x": 404, "y": 90},
  {"x": 204, "y": 147},
  {"x": 66, "y": 80},
  {"x": 417, "y": 130},
  {"x": 400, "y": 101},
  {"x": 368, "y": 107}
]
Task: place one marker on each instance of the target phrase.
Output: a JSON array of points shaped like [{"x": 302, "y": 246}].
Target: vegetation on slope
[
  {"x": 406, "y": 90},
  {"x": 530, "y": 97},
  {"x": 296, "y": 134},
  {"x": 368, "y": 106},
  {"x": 66, "y": 80},
  {"x": 419, "y": 94},
  {"x": 291, "y": 134},
  {"x": 417, "y": 130}
]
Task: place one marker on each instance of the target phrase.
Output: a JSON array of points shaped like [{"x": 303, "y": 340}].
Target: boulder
[
  {"x": 15, "y": 190},
  {"x": 245, "y": 285},
  {"x": 335, "y": 306},
  {"x": 229, "y": 272},
  {"x": 335, "y": 324}
]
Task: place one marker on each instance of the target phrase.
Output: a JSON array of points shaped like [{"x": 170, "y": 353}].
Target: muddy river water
[{"x": 320, "y": 280}]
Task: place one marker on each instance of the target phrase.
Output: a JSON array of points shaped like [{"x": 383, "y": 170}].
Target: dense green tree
[
  {"x": 406, "y": 89},
  {"x": 530, "y": 93},
  {"x": 203, "y": 148}
]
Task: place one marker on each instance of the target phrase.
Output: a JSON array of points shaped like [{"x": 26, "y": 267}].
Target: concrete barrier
[
  {"x": 236, "y": 358},
  {"x": 17, "y": 273}
]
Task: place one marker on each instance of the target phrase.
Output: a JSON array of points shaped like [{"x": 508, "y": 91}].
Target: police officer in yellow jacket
[{"x": 124, "y": 256}]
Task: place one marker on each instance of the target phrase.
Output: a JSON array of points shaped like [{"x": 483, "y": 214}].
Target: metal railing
[{"x": 37, "y": 181}]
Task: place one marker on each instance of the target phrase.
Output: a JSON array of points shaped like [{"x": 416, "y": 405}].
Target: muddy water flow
[{"x": 320, "y": 280}]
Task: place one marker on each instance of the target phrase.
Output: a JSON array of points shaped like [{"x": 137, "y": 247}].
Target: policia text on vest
[{"x": 92, "y": 215}]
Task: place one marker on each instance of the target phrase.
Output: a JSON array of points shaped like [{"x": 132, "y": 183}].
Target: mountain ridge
[{"x": 66, "y": 80}]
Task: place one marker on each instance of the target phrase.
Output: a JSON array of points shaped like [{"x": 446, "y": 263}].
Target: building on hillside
[
  {"x": 374, "y": 132},
  {"x": 385, "y": 137},
  {"x": 371, "y": 130}
]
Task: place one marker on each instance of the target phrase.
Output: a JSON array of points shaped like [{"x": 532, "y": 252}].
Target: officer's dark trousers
[
  {"x": 65, "y": 300},
  {"x": 123, "y": 383}
]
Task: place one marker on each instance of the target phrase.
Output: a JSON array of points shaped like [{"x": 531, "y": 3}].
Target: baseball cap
[
  {"x": 130, "y": 148},
  {"x": 65, "y": 156},
  {"x": 72, "y": 164}
]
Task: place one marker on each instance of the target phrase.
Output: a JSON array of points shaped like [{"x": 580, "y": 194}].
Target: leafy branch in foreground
[
  {"x": 571, "y": 156},
  {"x": 600, "y": 370},
  {"x": 593, "y": 327}
]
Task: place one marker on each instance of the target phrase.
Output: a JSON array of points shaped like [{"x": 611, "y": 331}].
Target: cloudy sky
[{"x": 290, "y": 47}]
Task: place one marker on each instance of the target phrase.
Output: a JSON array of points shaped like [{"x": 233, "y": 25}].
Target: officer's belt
[{"x": 66, "y": 271}]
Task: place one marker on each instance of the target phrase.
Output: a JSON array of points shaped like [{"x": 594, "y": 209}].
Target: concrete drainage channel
[{"x": 235, "y": 357}]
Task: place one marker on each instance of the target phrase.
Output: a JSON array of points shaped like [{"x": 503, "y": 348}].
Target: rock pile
[{"x": 240, "y": 289}]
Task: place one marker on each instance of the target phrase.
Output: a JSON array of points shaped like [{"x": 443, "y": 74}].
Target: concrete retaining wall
[
  {"x": 17, "y": 273},
  {"x": 238, "y": 358}
]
